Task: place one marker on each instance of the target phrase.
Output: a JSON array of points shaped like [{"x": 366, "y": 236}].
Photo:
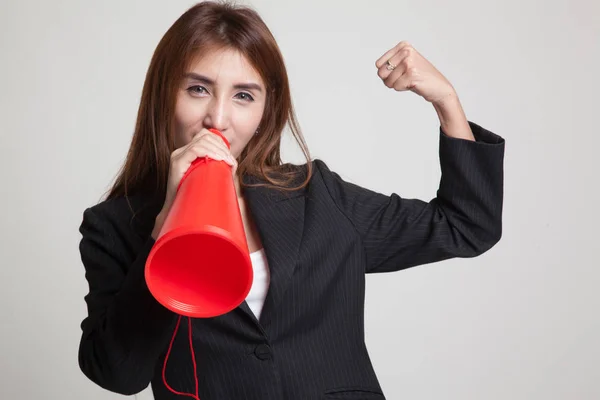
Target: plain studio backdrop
[{"x": 519, "y": 322}]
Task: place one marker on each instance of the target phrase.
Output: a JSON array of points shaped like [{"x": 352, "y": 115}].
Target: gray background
[{"x": 519, "y": 322}]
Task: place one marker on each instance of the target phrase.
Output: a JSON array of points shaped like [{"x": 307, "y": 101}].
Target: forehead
[{"x": 225, "y": 66}]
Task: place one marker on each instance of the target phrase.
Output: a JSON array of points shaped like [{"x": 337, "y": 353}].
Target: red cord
[
  {"x": 196, "y": 397},
  {"x": 193, "y": 356}
]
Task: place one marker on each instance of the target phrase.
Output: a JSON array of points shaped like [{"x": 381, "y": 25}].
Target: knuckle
[
  {"x": 199, "y": 152},
  {"x": 203, "y": 133},
  {"x": 175, "y": 155},
  {"x": 198, "y": 134}
]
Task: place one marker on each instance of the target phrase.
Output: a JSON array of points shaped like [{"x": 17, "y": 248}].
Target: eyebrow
[{"x": 240, "y": 86}]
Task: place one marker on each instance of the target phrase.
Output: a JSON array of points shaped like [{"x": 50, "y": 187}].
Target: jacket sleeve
[
  {"x": 463, "y": 220},
  {"x": 126, "y": 328}
]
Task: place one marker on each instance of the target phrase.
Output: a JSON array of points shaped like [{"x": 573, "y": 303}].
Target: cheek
[
  {"x": 246, "y": 126},
  {"x": 187, "y": 113},
  {"x": 187, "y": 116},
  {"x": 243, "y": 136}
]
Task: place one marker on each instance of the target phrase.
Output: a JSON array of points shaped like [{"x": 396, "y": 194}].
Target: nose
[{"x": 217, "y": 114}]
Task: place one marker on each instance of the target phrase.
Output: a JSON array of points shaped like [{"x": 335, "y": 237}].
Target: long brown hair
[{"x": 205, "y": 26}]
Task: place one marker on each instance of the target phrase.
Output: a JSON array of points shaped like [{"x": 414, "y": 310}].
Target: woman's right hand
[{"x": 203, "y": 144}]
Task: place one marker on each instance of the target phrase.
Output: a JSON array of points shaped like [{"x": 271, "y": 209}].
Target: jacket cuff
[{"x": 481, "y": 135}]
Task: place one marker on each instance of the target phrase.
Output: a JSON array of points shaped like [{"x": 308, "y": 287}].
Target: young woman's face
[{"x": 223, "y": 91}]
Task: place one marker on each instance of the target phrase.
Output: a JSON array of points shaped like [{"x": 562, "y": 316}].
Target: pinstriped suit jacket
[{"x": 320, "y": 242}]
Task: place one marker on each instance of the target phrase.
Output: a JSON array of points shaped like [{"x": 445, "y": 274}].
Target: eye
[
  {"x": 246, "y": 96},
  {"x": 197, "y": 90}
]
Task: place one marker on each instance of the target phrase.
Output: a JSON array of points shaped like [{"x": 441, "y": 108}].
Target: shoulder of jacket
[
  {"x": 322, "y": 170},
  {"x": 136, "y": 211}
]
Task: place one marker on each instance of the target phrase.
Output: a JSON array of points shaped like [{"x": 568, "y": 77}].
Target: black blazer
[{"x": 320, "y": 242}]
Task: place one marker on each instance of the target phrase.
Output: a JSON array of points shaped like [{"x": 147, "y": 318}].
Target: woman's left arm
[{"x": 465, "y": 218}]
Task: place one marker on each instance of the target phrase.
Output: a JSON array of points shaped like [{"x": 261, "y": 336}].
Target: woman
[{"x": 312, "y": 235}]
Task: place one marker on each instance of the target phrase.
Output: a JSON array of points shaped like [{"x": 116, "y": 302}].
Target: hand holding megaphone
[{"x": 203, "y": 144}]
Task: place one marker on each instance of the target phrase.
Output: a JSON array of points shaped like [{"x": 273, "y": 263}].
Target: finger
[
  {"x": 389, "y": 77},
  {"x": 213, "y": 155},
  {"x": 208, "y": 135},
  {"x": 216, "y": 147},
  {"x": 193, "y": 150},
  {"x": 220, "y": 137},
  {"x": 403, "y": 83},
  {"x": 398, "y": 61},
  {"x": 202, "y": 132},
  {"x": 210, "y": 142},
  {"x": 178, "y": 152},
  {"x": 216, "y": 140},
  {"x": 388, "y": 54}
]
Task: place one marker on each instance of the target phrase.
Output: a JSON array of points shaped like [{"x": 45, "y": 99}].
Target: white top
[{"x": 260, "y": 284}]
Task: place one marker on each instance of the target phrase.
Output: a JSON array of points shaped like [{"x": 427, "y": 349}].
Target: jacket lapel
[{"x": 279, "y": 218}]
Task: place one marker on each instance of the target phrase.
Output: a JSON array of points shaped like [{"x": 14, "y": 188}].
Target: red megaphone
[{"x": 200, "y": 265}]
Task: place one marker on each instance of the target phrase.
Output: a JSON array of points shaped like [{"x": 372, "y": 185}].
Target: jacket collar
[{"x": 279, "y": 218}]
